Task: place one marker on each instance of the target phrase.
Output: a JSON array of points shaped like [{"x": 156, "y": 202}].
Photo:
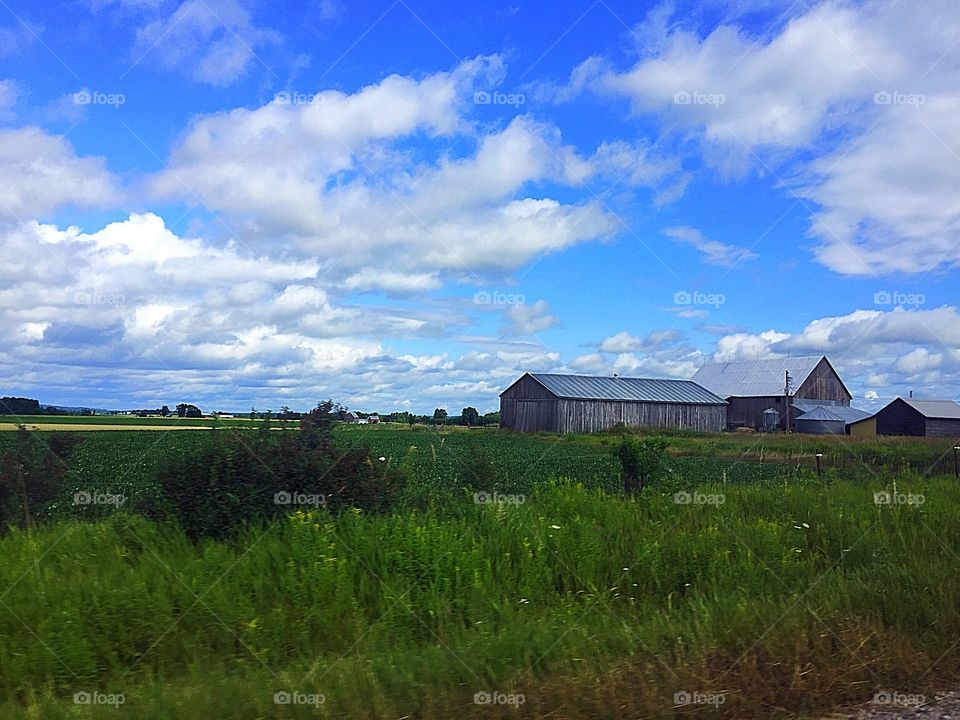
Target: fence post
[
  {"x": 819, "y": 455},
  {"x": 956, "y": 461}
]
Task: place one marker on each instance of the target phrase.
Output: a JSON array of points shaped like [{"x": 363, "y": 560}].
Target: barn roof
[
  {"x": 588, "y": 387},
  {"x": 753, "y": 378},
  {"x": 844, "y": 412},
  {"x": 939, "y": 409},
  {"x": 821, "y": 413}
]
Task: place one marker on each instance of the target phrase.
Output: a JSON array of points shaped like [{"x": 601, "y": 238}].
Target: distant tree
[
  {"x": 186, "y": 410},
  {"x": 164, "y": 411},
  {"x": 440, "y": 416},
  {"x": 19, "y": 406},
  {"x": 470, "y": 416},
  {"x": 491, "y": 418}
]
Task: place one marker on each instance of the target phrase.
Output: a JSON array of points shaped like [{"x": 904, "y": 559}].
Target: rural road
[{"x": 942, "y": 706}]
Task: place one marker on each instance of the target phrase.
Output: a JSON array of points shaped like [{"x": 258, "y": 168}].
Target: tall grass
[{"x": 587, "y": 604}]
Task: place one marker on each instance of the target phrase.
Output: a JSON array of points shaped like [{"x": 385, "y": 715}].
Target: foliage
[
  {"x": 239, "y": 477},
  {"x": 641, "y": 460},
  {"x": 31, "y": 475},
  {"x": 650, "y": 599}
]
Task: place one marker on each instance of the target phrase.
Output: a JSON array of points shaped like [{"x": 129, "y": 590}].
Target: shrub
[
  {"x": 31, "y": 475},
  {"x": 641, "y": 460},
  {"x": 239, "y": 477}
]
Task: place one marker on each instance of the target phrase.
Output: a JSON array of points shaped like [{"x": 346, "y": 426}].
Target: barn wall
[
  {"x": 823, "y": 384},
  {"x": 943, "y": 428},
  {"x": 864, "y": 428},
  {"x": 595, "y": 415},
  {"x": 528, "y": 406},
  {"x": 821, "y": 427},
  {"x": 898, "y": 418},
  {"x": 748, "y": 411}
]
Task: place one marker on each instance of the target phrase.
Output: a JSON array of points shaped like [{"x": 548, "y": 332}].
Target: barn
[
  {"x": 911, "y": 416},
  {"x": 752, "y": 387},
  {"x": 582, "y": 403}
]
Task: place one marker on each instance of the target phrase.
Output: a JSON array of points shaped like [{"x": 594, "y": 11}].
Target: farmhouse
[
  {"x": 752, "y": 387},
  {"x": 910, "y": 416},
  {"x": 582, "y": 403}
]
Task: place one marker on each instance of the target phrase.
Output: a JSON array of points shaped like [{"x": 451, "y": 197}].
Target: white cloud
[
  {"x": 214, "y": 40},
  {"x": 39, "y": 173},
  {"x": 714, "y": 252},
  {"x": 524, "y": 319}
]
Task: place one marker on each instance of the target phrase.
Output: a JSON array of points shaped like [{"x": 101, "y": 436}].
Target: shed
[
  {"x": 753, "y": 386},
  {"x": 821, "y": 421},
  {"x": 910, "y": 416},
  {"x": 582, "y": 403}
]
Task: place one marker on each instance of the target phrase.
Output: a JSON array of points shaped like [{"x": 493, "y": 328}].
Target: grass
[
  {"x": 779, "y": 599},
  {"x": 119, "y": 421}
]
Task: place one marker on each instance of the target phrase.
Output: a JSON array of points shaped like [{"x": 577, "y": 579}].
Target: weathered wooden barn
[
  {"x": 910, "y": 416},
  {"x": 582, "y": 403},
  {"x": 754, "y": 386}
]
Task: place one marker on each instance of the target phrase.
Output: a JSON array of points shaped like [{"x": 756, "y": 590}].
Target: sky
[{"x": 406, "y": 205}]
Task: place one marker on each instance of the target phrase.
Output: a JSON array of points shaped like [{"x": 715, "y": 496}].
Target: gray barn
[
  {"x": 581, "y": 403},
  {"x": 910, "y": 416},
  {"x": 754, "y": 386}
]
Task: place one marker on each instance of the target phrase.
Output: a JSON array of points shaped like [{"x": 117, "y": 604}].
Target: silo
[{"x": 821, "y": 421}]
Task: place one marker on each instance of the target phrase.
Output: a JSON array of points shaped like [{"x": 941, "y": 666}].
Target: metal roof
[
  {"x": 939, "y": 409},
  {"x": 587, "y": 387},
  {"x": 750, "y": 378},
  {"x": 843, "y": 412},
  {"x": 822, "y": 413}
]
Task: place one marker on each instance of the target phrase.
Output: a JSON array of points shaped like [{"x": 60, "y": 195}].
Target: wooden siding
[
  {"x": 946, "y": 427},
  {"x": 748, "y": 411},
  {"x": 863, "y": 428},
  {"x": 898, "y": 418},
  {"x": 528, "y": 406},
  {"x": 823, "y": 384},
  {"x": 595, "y": 415}
]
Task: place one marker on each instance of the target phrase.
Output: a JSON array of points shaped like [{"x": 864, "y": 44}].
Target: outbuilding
[
  {"x": 927, "y": 418},
  {"x": 581, "y": 403}
]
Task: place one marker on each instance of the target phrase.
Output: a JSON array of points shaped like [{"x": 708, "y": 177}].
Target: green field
[{"x": 756, "y": 589}]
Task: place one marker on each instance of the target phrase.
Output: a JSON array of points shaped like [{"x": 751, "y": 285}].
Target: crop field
[{"x": 514, "y": 570}]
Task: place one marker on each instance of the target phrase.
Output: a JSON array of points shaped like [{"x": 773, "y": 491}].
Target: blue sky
[{"x": 406, "y": 205}]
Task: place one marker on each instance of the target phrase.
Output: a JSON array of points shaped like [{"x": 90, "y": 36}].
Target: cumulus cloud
[
  {"x": 40, "y": 173},
  {"x": 850, "y": 107},
  {"x": 524, "y": 319}
]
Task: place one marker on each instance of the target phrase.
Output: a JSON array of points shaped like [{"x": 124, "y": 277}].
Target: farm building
[
  {"x": 810, "y": 416},
  {"x": 909, "y": 416},
  {"x": 582, "y": 403},
  {"x": 753, "y": 386}
]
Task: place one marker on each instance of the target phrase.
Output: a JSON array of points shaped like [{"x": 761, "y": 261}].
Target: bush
[
  {"x": 641, "y": 460},
  {"x": 31, "y": 475},
  {"x": 240, "y": 477}
]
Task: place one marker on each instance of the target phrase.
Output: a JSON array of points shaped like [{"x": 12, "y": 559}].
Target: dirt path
[{"x": 903, "y": 706}]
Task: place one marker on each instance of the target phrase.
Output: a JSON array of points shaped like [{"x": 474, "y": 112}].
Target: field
[{"x": 732, "y": 588}]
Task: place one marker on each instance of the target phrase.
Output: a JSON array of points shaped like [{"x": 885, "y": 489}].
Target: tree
[
  {"x": 186, "y": 410},
  {"x": 641, "y": 460},
  {"x": 440, "y": 416},
  {"x": 19, "y": 406},
  {"x": 164, "y": 411},
  {"x": 491, "y": 418},
  {"x": 470, "y": 416}
]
